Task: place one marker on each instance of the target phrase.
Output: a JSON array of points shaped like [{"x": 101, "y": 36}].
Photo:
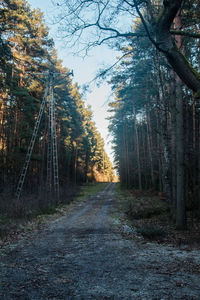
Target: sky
[{"x": 84, "y": 71}]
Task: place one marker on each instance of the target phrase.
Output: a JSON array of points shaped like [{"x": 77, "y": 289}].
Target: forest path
[{"x": 83, "y": 255}]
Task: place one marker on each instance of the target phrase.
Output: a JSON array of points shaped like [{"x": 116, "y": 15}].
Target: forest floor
[
  {"x": 90, "y": 252},
  {"x": 150, "y": 216}
]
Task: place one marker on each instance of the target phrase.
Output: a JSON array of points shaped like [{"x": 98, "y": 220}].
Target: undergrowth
[
  {"x": 151, "y": 232},
  {"x": 150, "y": 216},
  {"x": 33, "y": 210}
]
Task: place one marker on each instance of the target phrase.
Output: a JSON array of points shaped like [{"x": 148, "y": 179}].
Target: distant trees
[{"x": 27, "y": 49}]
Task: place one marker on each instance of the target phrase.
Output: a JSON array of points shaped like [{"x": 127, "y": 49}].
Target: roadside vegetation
[{"x": 149, "y": 215}]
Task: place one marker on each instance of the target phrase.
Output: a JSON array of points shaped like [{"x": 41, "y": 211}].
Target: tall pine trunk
[
  {"x": 180, "y": 196},
  {"x": 149, "y": 144},
  {"x": 173, "y": 146},
  {"x": 137, "y": 147}
]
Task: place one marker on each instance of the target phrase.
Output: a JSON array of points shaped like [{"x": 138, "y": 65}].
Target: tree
[
  {"x": 27, "y": 49},
  {"x": 166, "y": 114},
  {"x": 100, "y": 22}
]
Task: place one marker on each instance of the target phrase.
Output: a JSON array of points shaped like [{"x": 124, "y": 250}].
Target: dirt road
[{"x": 83, "y": 255}]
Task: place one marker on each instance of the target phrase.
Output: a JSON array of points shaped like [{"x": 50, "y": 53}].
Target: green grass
[{"x": 89, "y": 189}]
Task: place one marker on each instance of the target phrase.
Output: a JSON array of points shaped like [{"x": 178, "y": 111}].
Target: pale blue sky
[{"x": 84, "y": 70}]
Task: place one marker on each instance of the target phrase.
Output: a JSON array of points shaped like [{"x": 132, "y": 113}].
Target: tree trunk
[
  {"x": 164, "y": 137},
  {"x": 180, "y": 161},
  {"x": 198, "y": 177},
  {"x": 137, "y": 147},
  {"x": 173, "y": 146},
  {"x": 149, "y": 143},
  {"x": 127, "y": 157},
  {"x": 181, "y": 205}
]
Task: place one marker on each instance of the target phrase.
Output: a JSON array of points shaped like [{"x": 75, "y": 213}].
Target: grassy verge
[
  {"x": 151, "y": 218},
  {"x": 89, "y": 189}
]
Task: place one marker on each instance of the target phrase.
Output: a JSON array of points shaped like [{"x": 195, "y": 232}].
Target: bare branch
[
  {"x": 104, "y": 72},
  {"x": 118, "y": 34},
  {"x": 94, "y": 22},
  {"x": 145, "y": 25}
]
